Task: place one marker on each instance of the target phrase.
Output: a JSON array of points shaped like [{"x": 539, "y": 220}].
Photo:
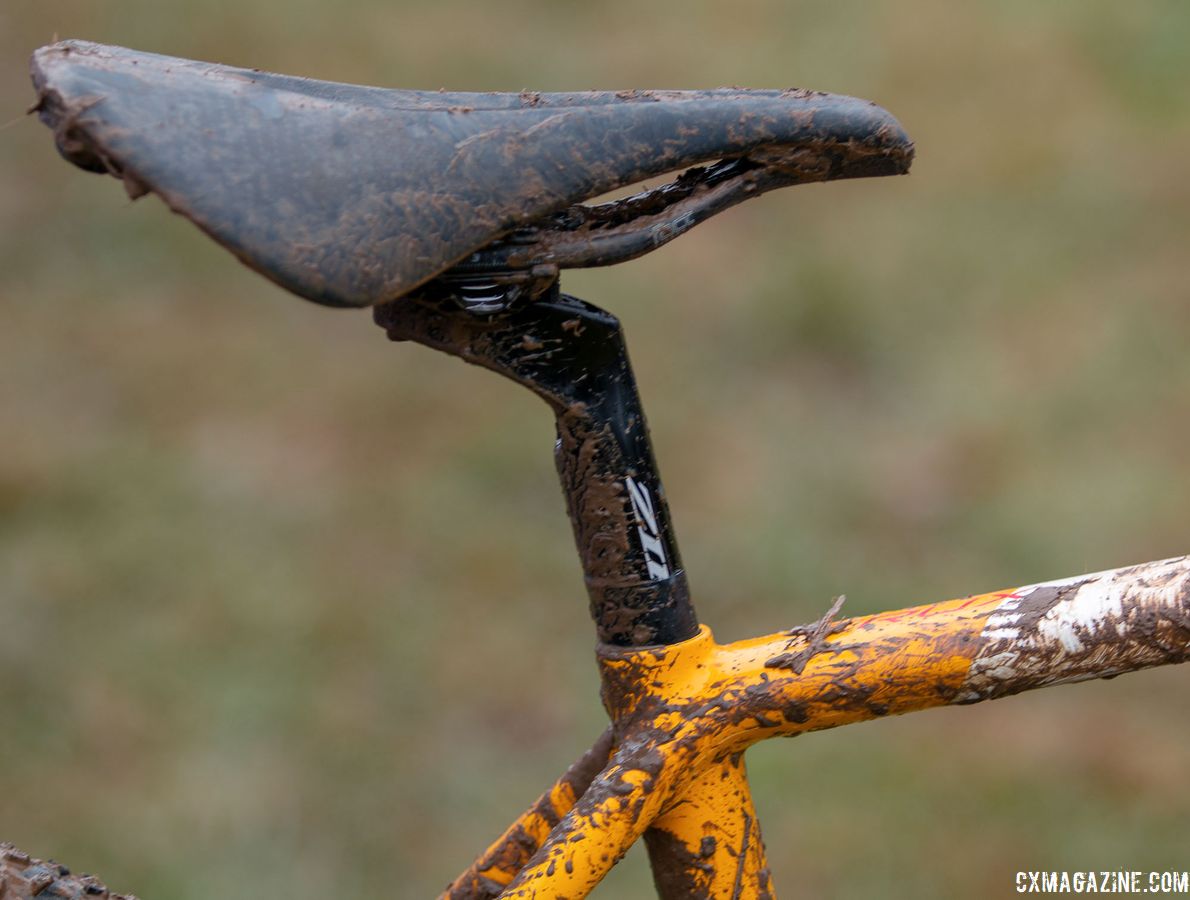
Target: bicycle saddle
[{"x": 352, "y": 196}]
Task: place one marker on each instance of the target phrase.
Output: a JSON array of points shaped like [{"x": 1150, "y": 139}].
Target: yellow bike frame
[
  {"x": 671, "y": 766},
  {"x": 684, "y": 708}
]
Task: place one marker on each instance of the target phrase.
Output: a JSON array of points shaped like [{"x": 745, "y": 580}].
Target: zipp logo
[{"x": 646, "y": 527}]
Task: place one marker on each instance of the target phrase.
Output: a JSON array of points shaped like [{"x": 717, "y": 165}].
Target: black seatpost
[{"x": 573, "y": 355}]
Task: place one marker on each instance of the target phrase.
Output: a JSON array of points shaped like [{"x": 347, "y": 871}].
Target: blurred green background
[{"x": 286, "y": 610}]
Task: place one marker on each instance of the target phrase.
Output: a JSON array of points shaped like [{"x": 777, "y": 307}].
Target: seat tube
[{"x": 573, "y": 355}]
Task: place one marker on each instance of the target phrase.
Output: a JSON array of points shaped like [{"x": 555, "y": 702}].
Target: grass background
[{"x": 288, "y": 611}]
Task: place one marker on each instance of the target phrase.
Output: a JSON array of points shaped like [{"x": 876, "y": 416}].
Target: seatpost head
[{"x": 573, "y": 356}]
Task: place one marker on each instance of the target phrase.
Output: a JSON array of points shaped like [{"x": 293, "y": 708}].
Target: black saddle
[{"x": 352, "y": 196}]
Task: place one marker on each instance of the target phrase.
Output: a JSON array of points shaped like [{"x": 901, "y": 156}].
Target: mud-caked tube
[{"x": 24, "y": 877}]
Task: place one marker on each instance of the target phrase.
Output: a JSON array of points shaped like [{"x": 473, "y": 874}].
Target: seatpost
[{"x": 573, "y": 355}]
